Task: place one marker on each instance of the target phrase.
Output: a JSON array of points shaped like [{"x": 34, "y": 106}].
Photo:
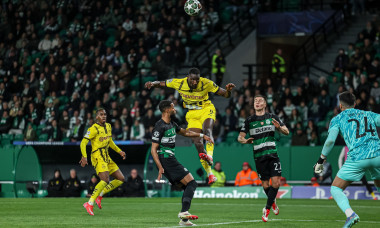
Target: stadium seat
[
  {"x": 323, "y": 137},
  {"x": 6, "y": 139},
  {"x": 19, "y": 137},
  {"x": 232, "y": 137},
  {"x": 43, "y": 137}
]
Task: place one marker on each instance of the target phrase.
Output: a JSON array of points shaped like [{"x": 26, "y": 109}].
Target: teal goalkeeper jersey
[{"x": 358, "y": 129}]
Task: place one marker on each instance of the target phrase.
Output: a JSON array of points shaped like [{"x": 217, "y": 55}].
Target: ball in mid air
[{"x": 192, "y": 7}]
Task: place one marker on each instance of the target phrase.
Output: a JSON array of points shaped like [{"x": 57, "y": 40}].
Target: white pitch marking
[{"x": 280, "y": 220}]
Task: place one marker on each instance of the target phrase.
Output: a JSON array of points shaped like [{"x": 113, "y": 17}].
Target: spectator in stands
[
  {"x": 137, "y": 131},
  {"x": 229, "y": 121},
  {"x": 55, "y": 185},
  {"x": 375, "y": 91},
  {"x": 283, "y": 182},
  {"x": 134, "y": 185},
  {"x": 278, "y": 65},
  {"x": 324, "y": 178},
  {"x": 18, "y": 123},
  {"x": 76, "y": 132},
  {"x": 314, "y": 182},
  {"x": 91, "y": 184},
  {"x": 341, "y": 61},
  {"x": 247, "y": 176},
  {"x": 54, "y": 133},
  {"x": 219, "y": 174},
  {"x": 30, "y": 133},
  {"x": 218, "y": 66},
  {"x": 5, "y": 123},
  {"x": 72, "y": 187},
  {"x": 299, "y": 138}
]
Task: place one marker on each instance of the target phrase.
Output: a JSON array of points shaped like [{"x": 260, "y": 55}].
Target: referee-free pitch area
[{"x": 162, "y": 212}]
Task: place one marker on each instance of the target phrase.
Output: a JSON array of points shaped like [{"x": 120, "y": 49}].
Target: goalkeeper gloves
[{"x": 318, "y": 168}]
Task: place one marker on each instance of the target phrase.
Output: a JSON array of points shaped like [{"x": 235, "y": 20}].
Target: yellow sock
[
  {"x": 373, "y": 195},
  {"x": 206, "y": 167},
  {"x": 98, "y": 189},
  {"x": 210, "y": 149},
  {"x": 111, "y": 186}
]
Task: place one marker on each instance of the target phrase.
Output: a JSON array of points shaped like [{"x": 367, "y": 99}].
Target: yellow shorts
[
  {"x": 101, "y": 165},
  {"x": 195, "y": 118}
]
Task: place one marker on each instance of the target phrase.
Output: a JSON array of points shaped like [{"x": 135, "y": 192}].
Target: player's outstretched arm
[
  {"x": 282, "y": 129},
  {"x": 156, "y": 84},
  {"x": 241, "y": 139},
  {"x": 188, "y": 133},
  {"x": 83, "y": 144},
  {"x": 154, "y": 153},
  {"x": 226, "y": 92},
  {"x": 117, "y": 149},
  {"x": 327, "y": 147}
]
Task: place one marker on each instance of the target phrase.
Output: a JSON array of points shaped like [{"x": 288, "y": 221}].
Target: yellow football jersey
[
  {"x": 101, "y": 139},
  {"x": 193, "y": 98}
]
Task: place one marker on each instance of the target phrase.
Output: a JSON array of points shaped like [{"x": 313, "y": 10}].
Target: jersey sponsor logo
[
  {"x": 168, "y": 139},
  {"x": 101, "y": 139},
  {"x": 262, "y": 130},
  {"x": 192, "y": 96}
]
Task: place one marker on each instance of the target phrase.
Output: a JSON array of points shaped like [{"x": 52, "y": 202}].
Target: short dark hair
[
  {"x": 259, "y": 95},
  {"x": 98, "y": 110},
  {"x": 164, "y": 104},
  {"x": 194, "y": 71},
  {"x": 347, "y": 99}
]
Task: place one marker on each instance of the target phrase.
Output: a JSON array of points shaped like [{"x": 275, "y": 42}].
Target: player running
[
  {"x": 201, "y": 115},
  {"x": 358, "y": 129},
  {"x": 100, "y": 135},
  {"x": 261, "y": 128},
  {"x": 163, "y": 147}
]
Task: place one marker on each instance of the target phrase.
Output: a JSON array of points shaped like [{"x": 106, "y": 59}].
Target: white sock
[
  {"x": 101, "y": 194},
  {"x": 349, "y": 212}
]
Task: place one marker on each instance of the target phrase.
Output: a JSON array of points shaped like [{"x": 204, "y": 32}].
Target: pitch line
[{"x": 279, "y": 220}]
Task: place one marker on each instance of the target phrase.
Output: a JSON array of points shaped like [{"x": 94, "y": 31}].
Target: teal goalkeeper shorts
[{"x": 355, "y": 170}]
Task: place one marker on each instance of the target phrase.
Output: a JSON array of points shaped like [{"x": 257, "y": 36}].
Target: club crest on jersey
[{"x": 267, "y": 122}]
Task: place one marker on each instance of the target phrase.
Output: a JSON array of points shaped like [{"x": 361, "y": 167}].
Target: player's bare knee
[{"x": 122, "y": 178}]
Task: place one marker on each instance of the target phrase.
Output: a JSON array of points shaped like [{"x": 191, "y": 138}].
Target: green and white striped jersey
[
  {"x": 164, "y": 134},
  {"x": 262, "y": 130}
]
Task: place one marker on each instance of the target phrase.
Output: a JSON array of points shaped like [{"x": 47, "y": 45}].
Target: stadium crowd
[{"x": 60, "y": 61}]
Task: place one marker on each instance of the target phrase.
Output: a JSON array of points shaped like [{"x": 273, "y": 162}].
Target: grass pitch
[{"x": 162, "y": 212}]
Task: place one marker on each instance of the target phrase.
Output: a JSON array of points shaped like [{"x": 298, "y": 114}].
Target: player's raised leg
[
  {"x": 208, "y": 126},
  {"x": 104, "y": 180},
  {"x": 119, "y": 180},
  {"x": 189, "y": 186},
  {"x": 341, "y": 199},
  {"x": 198, "y": 142}
]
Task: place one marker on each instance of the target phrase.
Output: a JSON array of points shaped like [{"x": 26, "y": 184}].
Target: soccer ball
[{"x": 192, "y": 7}]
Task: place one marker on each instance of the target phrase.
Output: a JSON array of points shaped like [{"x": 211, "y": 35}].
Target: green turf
[{"x": 162, "y": 212}]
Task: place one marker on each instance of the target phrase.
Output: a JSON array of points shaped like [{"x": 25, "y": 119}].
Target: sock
[
  {"x": 111, "y": 186},
  {"x": 188, "y": 195},
  {"x": 210, "y": 149},
  {"x": 206, "y": 167},
  {"x": 341, "y": 199},
  {"x": 272, "y": 193},
  {"x": 373, "y": 195},
  {"x": 266, "y": 190},
  {"x": 98, "y": 189}
]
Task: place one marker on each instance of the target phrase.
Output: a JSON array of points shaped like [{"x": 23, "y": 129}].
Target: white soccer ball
[{"x": 192, "y": 7}]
